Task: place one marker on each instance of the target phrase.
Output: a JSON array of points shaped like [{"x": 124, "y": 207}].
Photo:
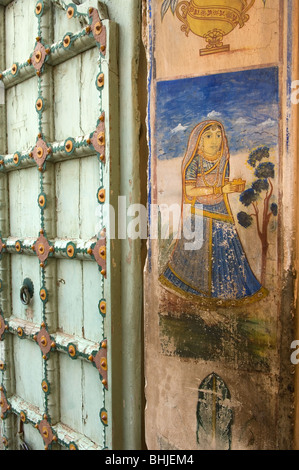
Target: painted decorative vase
[{"x": 212, "y": 20}]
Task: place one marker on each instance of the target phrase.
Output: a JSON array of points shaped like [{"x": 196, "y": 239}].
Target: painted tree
[{"x": 258, "y": 197}]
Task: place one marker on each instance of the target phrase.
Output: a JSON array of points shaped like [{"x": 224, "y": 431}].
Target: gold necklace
[{"x": 217, "y": 164}]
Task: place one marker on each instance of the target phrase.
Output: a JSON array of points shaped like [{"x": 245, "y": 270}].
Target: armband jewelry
[{"x": 217, "y": 190}]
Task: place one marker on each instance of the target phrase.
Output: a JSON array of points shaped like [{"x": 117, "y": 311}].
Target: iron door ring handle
[
  {"x": 26, "y": 292},
  {"x": 24, "y": 295}
]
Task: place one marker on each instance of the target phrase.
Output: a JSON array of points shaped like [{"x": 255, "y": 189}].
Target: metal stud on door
[{"x": 55, "y": 326}]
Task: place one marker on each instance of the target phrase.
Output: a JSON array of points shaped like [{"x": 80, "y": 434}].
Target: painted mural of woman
[{"x": 218, "y": 273}]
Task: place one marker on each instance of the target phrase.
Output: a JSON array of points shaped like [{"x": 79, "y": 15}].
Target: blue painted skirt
[{"x": 217, "y": 270}]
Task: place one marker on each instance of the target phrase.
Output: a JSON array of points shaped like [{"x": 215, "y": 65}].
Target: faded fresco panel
[
  {"x": 218, "y": 136},
  {"x": 237, "y": 230},
  {"x": 251, "y": 35}
]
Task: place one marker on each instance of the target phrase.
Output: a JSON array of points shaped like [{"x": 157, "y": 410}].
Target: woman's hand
[{"x": 231, "y": 188}]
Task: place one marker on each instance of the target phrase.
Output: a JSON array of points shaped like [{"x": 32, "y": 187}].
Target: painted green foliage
[
  {"x": 260, "y": 193},
  {"x": 172, "y": 4}
]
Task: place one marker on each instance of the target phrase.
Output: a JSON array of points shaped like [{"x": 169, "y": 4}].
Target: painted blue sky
[{"x": 245, "y": 102}]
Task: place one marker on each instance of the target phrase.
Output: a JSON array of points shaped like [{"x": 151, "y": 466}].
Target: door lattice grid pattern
[{"x": 54, "y": 371}]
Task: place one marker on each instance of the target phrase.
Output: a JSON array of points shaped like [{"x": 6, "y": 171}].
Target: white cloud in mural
[
  {"x": 214, "y": 114},
  {"x": 178, "y": 128},
  {"x": 268, "y": 123},
  {"x": 241, "y": 121}
]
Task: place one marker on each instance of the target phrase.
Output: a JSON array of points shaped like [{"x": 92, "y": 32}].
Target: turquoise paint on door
[{"x": 60, "y": 377}]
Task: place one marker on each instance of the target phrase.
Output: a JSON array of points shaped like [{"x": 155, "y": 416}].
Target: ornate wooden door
[{"x": 58, "y": 177}]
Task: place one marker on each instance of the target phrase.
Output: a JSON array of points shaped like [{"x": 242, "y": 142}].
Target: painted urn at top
[{"x": 212, "y": 20}]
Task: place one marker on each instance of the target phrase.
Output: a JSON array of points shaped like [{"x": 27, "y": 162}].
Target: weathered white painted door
[{"x": 58, "y": 175}]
